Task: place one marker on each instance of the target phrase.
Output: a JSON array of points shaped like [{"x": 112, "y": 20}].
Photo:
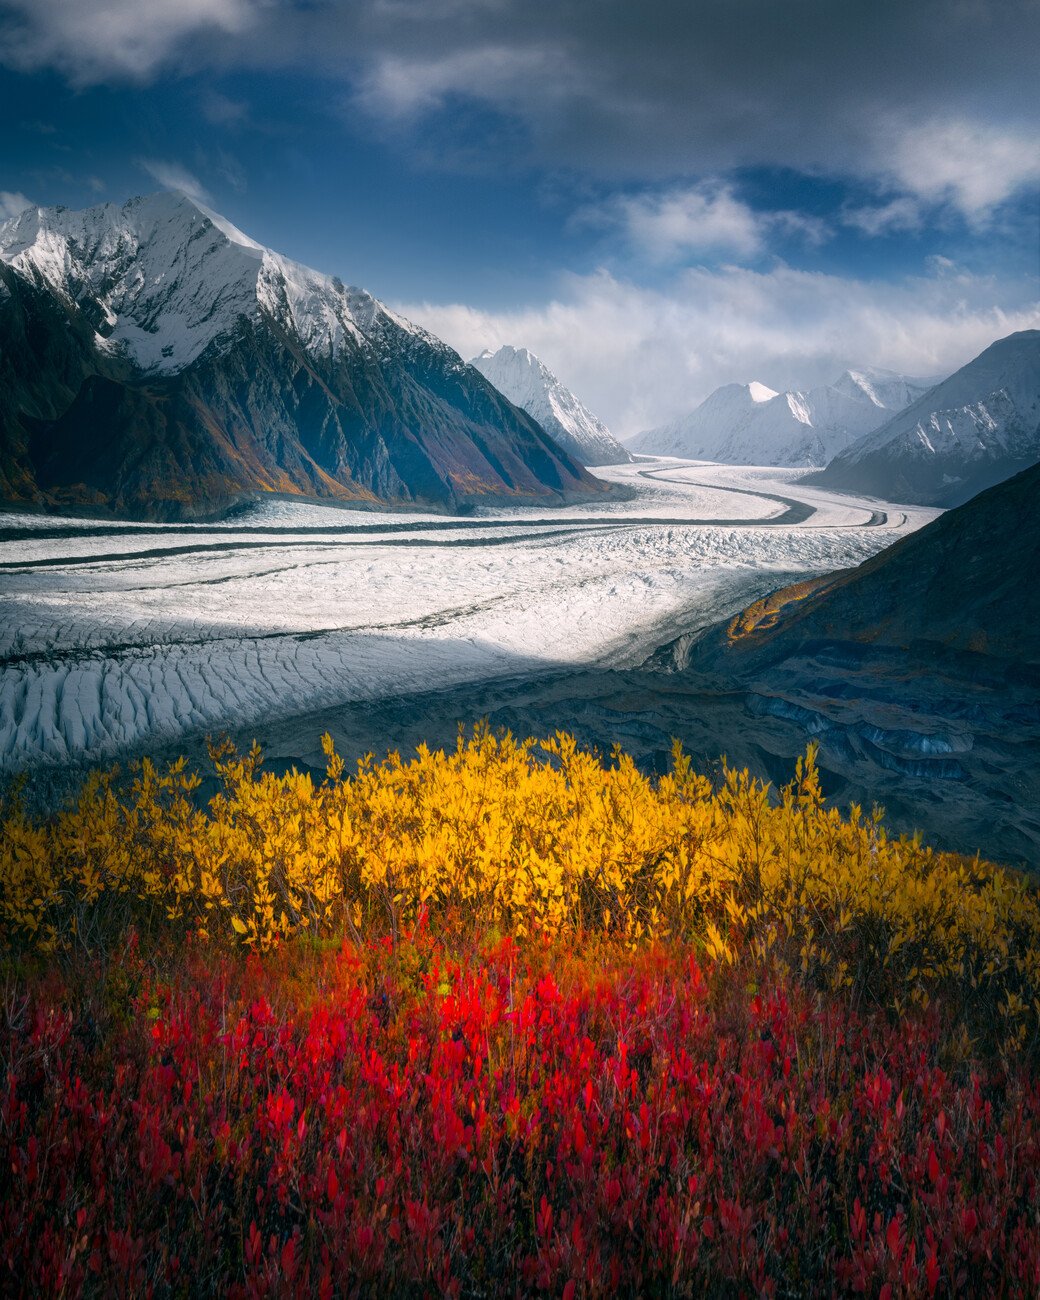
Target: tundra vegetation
[{"x": 506, "y": 1020}]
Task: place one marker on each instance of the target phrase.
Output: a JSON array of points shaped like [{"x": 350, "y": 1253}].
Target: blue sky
[{"x": 656, "y": 197}]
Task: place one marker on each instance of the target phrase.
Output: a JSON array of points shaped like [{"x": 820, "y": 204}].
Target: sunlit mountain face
[
  {"x": 160, "y": 362},
  {"x": 654, "y": 204}
]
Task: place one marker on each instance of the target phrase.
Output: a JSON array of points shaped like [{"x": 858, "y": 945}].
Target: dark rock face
[
  {"x": 376, "y": 411},
  {"x": 918, "y": 673},
  {"x": 967, "y": 583}
]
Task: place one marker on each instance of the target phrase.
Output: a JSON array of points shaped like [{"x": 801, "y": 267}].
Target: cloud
[
  {"x": 899, "y": 214},
  {"x": 12, "y": 203},
  {"x": 639, "y": 356},
  {"x": 172, "y": 176},
  {"x": 93, "y": 40},
  {"x": 973, "y": 166},
  {"x": 400, "y": 87},
  {"x": 680, "y": 222},
  {"x": 222, "y": 110},
  {"x": 935, "y": 98},
  {"x": 673, "y": 223}
]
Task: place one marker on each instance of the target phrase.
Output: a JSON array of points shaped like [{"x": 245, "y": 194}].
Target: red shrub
[{"x": 397, "y": 1122}]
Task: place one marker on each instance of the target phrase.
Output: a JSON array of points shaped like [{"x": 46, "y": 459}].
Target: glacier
[{"x": 118, "y": 637}]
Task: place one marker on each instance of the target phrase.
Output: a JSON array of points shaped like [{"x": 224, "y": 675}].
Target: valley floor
[{"x": 118, "y": 638}]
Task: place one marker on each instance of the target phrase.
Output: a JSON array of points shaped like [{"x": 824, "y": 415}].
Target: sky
[{"x": 656, "y": 197}]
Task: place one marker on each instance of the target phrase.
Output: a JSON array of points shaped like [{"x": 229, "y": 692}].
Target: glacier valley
[{"x": 118, "y": 638}]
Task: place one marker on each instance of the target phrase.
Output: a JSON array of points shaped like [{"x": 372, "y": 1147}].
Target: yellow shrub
[{"x": 528, "y": 838}]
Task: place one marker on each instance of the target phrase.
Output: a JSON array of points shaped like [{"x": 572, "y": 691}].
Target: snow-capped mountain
[
  {"x": 750, "y": 424},
  {"x": 883, "y": 389},
  {"x": 531, "y": 385},
  {"x": 976, "y": 428},
  {"x": 154, "y": 359}
]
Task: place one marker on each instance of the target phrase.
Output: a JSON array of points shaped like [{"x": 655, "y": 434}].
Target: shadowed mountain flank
[{"x": 155, "y": 361}]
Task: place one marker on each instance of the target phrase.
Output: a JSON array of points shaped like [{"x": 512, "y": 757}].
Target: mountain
[
  {"x": 918, "y": 673},
  {"x": 965, "y": 434},
  {"x": 532, "y": 386},
  {"x": 965, "y": 583},
  {"x": 750, "y": 424},
  {"x": 156, "y": 361}
]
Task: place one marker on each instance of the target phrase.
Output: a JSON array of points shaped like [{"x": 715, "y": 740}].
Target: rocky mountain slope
[
  {"x": 971, "y": 431},
  {"x": 918, "y": 672},
  {"x": 156, "y": 361},
  {"x": 751, "y": 424},
  {"x": 965, "y": 583},
  {"x": 532, "y": 386}
]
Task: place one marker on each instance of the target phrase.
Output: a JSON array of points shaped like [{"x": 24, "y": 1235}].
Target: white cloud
[
  {"x": 899, "y": 214},
  {"x": 677, "y": 222},
  {"x": 172, "y": 176},
  {"x": 969, "y": 164},
  {"x": 639, "y": 357},
  {"x": 686, "y": 221},
  {"x": 400, "y": 87},
  {"x": 12, "y": 203},
  {"x": 221, "y": 110},
  {"x": 90, "y": 40}
]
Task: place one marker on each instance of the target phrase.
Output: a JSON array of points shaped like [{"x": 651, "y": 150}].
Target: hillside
[
  {"x": 918, "y": 672},
  {"x": 156, "y": 361},
  {"x": 965, "y": 583}
]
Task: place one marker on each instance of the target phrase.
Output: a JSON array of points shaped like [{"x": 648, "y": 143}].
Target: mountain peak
[
  {"x": 524, "y": 379},
  {"x": 237, "y": 369},
  {"x": 164, "y": 277},
  {"x": 751, "y": 424},
  {"x": 956, "y": 437}
]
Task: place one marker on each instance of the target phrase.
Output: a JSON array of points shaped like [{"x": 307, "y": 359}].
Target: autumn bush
[
  {"x": 509, "y": 1020},
  {"x": 533, "y": 1119},
  {"x": 530, "y": 839}
]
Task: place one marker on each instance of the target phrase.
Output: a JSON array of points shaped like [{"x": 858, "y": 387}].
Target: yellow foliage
[{"x": 527, "y": 838}]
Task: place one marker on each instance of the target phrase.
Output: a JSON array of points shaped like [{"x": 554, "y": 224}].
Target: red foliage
[{"x": 397, "y": 1123}]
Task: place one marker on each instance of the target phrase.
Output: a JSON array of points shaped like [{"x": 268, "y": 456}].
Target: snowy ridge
[
  {"x": 162, "y": 278},
  {"x": 978, "y": 426},
  {"x": 531, "y": 385},
  {"x": 882, "y": 388},
  {"x": 750, "y": 424}
]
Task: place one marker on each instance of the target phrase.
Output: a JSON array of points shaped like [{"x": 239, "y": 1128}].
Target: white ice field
[{"x": 114, "y": 636}]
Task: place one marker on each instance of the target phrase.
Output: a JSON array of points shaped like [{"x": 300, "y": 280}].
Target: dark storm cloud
[{"x": 629, "y": 91}]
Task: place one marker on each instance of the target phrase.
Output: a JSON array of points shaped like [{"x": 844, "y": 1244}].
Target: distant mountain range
[
  {"x": 750, "y": 424},
  {"x": 156, "y": 361},
  {"x": 965, "y": 434},
  {"x": 532, "y": 386}
]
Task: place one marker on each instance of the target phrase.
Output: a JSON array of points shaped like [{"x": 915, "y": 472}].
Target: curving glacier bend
[{"x": 114, "y": 637}]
